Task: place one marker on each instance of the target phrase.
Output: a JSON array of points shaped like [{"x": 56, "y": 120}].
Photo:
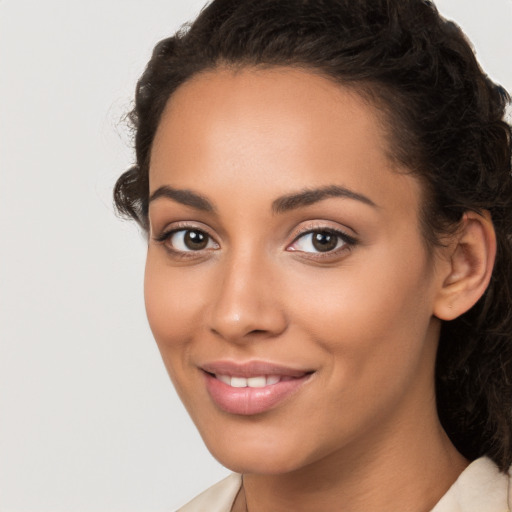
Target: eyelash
[
  {"x": 348, "y": 241},
  {"x": 165, "y": 236}
]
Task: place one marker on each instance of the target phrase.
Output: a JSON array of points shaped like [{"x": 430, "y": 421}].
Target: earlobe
[{"x": 470, "y": 265}]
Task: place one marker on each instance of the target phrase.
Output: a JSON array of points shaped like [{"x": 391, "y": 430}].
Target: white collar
[{"x": 479, "y": 488}]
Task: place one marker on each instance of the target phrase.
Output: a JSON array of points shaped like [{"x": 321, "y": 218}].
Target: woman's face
[{"x": 287, "y": 283}]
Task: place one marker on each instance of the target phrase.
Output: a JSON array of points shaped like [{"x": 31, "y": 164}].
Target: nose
[{"x": 246, "y": 304}]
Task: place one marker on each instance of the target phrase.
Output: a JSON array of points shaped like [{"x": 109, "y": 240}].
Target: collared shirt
[{"x": 479, "y": 488}]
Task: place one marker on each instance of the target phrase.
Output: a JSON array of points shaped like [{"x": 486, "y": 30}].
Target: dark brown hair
[{"x": 445, "y": 121}]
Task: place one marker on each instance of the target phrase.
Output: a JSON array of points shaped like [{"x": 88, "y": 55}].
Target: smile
[{"x": 251, "y": 388}]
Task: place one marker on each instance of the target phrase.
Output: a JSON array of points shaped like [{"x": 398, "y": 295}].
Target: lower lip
[{"x": 248, "y": 401}]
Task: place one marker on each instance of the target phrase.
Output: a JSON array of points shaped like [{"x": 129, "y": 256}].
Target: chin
[
  {"x": 258, "y": 463},
  {"x": 258, "y": 450}
]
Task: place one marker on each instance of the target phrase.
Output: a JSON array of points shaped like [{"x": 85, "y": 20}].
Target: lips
[{"x": 251, "y": 388}]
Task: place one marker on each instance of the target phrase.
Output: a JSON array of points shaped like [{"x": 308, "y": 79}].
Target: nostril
[
  {"x": 250, "y": 332},
  {"x": 237, "y": 320}
]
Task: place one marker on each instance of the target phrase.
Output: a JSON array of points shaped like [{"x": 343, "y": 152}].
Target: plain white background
[{"x": 88, "y": 419}]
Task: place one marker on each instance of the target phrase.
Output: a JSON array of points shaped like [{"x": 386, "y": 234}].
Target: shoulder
[
  {"x": 218, "y": 498},
  {"x": 480, "y": 488}
]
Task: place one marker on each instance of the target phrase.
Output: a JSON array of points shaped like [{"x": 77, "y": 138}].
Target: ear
[{"x": 469, "y": 269}]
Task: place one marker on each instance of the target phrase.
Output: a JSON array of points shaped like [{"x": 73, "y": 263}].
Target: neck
[{"x": 407, "y": 466}]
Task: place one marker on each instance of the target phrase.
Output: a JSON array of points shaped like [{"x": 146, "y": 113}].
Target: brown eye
[
  {"x": 187, "y": 240},
  {"x": 324, "y": 241},
  {"x": 195, "y": 240}
]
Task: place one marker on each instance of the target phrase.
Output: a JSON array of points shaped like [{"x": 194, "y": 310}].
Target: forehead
[
  {"x": 257, "y": 102},
  {"x": 286, "y": 125}
]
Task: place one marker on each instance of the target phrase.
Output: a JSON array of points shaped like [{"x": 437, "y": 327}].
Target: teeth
[
  {"x": 252, "y": 382},
  {"x": 256, "y": 382},
  {"x": 224, "y": 378},
  {"x": 238, "y": 382}
]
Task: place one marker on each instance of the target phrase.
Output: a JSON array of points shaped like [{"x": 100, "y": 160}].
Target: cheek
[
  {"x": 372, "y": 316},
  {"x": 173, "y": 306}
]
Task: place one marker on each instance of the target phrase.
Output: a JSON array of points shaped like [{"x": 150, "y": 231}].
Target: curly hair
[{"x": 445, "y": 122}]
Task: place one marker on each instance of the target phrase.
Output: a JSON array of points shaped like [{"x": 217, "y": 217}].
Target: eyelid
[
  {"x": 319, "y": 225},
  {"x": 349, "y": 240},
  {"x": 170, "y": 230},
  {"x": 164, "y": 233}
]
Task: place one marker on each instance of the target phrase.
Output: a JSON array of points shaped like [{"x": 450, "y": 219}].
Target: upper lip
[{"x": 249, "y": 369}]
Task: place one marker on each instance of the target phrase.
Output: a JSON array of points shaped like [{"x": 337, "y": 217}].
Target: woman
[{"x": 326, "y": 188}]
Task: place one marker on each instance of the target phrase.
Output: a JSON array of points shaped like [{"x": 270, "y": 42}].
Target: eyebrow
[
  {"x": 308, "y": 197},
  {"x": 183, "y": 196},
  {"x": 282, "y": 204}
]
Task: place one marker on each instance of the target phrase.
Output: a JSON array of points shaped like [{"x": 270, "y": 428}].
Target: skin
[{"x": 363, "y": 430}]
